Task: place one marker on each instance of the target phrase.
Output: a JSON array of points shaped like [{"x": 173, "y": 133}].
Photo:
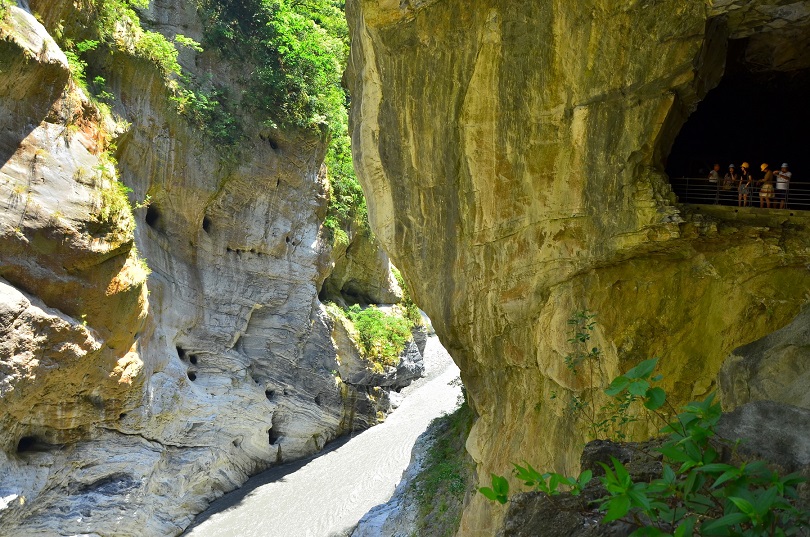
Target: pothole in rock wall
[
  {"x": 758, "y": 114},
  {"x": 154, "y": 218},
  {"x": 28, "y": 444}
]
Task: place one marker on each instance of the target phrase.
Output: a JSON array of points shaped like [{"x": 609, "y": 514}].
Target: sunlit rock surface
[
  {"x": 128, "y": 401},
  {"x": 512, "y": 153}
]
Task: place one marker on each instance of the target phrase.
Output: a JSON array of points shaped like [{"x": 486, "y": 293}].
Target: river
[{"x": 326, "y": 495}]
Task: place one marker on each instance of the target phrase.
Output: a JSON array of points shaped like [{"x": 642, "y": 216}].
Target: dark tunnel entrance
[{"x": 758, "y": 113}]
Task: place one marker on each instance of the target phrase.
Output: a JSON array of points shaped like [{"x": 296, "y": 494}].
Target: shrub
[
  {"x": 4, "y": 5},
  {"x": 382, "y": 337},
  {"x": 446, "y": 475},
  {"x": 697, "y": 493},
  {"x": 114, "y": 212},
  {"x": 347, "y": 205},
  {"x": 299, "y": 49}
]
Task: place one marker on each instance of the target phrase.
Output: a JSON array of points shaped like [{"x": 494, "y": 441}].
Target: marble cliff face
[
  {"x": 513, "y": 155},
  {"x": 130, "y": 400}
]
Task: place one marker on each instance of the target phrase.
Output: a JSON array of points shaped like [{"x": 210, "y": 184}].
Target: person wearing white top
[{"x": 783, "y": 177}]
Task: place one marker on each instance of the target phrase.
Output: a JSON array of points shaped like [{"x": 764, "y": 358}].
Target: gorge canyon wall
[
  {"x": 513, "y": 152},
  {"x": 152, "y": 359}
]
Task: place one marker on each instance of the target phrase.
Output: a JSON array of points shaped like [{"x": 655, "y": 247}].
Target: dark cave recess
[{"x": 754, "y": 115}]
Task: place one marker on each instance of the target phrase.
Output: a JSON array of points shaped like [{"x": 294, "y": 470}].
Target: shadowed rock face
[{"x": 512, "y": 153}]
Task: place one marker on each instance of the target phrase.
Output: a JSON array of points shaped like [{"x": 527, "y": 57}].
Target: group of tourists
[{"x": 772, "y": 187}]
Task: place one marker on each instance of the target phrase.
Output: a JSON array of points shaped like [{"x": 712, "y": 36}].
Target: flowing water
[{"x": 328, "y": 494}]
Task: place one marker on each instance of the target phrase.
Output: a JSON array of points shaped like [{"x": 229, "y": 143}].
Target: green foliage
[
  {"x": 411, "y": 309},
  {"x": 347, "y": 205},
  {"x": 611, "y": 418},
  {"x": 114, "y": 212},
  {"x": 699, "y": 492},
  {"x": 4, "y": 6},
  {"x": 445, "y": 476},
  {"x": 207, "y": 110},
  {"x": 382, "y": 337},
  {"x": 187, "y": 42},
  {"x": 299, "y": 48}
]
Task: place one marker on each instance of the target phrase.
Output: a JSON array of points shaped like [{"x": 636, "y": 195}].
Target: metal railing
[{"x": 699, "y": 190}]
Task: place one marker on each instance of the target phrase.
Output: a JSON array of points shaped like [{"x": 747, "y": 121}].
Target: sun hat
[
  {"x": 763, "y": 166},
  {"x": 784, "y": 165}
]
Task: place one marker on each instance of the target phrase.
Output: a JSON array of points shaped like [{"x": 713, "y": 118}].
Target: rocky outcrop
[
  {"x": 361, "y": 273},
  {"x": 513, "y": 156},
  {"x": 357, "y": 369},
  {"x": 774, "y": 368},
  {"x": 125, "y": 410}
]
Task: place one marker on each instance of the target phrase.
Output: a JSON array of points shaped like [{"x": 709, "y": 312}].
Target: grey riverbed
[{"x": 326, "y": 495}]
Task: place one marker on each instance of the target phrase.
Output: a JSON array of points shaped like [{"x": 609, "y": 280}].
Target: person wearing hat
[
  {"x": 766, "y": 190},
  {"x": 731, "y": 178},
  {"x": 783, "y": 177},
  {"x": 744, "y": 186}
]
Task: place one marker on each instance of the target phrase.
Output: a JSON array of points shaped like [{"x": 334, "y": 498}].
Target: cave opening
[
  {"x": 757, "y": 113},
  {"x": 27, "y": 443},
  {"x": 153, "y": 218}
]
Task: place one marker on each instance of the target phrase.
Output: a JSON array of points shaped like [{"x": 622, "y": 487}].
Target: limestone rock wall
[
  {"x": 361, "y": 273},
  {"x": 512, "y": 153},
  {"x": 127, "y": 403},
  {"x": 774, "y": 368}
]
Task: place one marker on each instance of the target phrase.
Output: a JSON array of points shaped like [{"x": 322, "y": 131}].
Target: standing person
[
  {"x": 783, "y": 178},
  {"x": 766, "y": 191},
  {"x": 714, "y": 181},
  {"x": 744, "y": 187},
  {"x": 730, "y": 179}
]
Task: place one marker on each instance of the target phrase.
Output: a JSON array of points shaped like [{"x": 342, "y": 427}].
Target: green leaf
[
  {"x": 617, "y": 386},
  {"x": 686, "y": 528},
  {"x": 656, "y": 397},
  {"x": 742, "y": 504},
  {"x": 622, "y": 475},
  {"x": 490, "y": 494},
  {"x": 500, "y": 485},
  {"x": 763, "y": 504},
  {"x": 715, "y": 467},
  {"x": 721, "y": 525},
  {"x": 639, "y": 387},
  {"x": 638, "y": 498},
  {"x": 732, "y": 473},
  {"x": 642, "y": 370},
  {"x": 668, "y": 474},
  {"x": 674, "y": 453},
  {"x": 617, "y": 507},
  {"x": 499, "y": 491},
  {"x": 585, "y": 478}
]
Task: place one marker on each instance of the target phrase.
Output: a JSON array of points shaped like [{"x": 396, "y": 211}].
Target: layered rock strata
[
  {"x": 512, "y": 155},
  {"x": 125, "y": 410}
]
